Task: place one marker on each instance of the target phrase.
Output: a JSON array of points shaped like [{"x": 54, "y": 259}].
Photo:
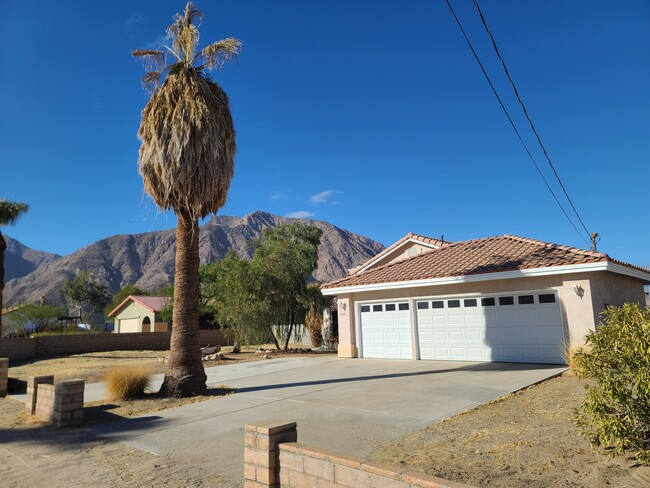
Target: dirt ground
[
  {"x": 91, "y": 366},
  {"x": 524, "y": 439},
  {"x": 34, "y": 455}
]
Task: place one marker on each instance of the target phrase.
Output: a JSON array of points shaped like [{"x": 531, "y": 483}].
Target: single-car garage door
[
  {"x": 386, "y": 330},
  {"x": 522, "y": 327},
  {"x": 130, "y": 325}
]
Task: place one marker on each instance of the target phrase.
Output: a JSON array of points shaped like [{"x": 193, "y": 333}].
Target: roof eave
[{"x": 501, "y": 275}]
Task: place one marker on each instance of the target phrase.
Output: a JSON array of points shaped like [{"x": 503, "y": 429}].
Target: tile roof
[
  {"x": 389, "y": 249},
  {"x": 479, "y": 256}
]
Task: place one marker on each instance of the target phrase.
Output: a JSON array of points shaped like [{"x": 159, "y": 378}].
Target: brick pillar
[
  {"x": 4, "y": 375},
  {"x": 32, "y": 387},
  {"x": 68, "y": 403},
  {"x": 45, "y": 397},
  {"x": 261, "y": 465}
]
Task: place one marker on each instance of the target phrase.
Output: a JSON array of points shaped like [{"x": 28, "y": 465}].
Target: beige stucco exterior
[
  {"x": 579, "y": 313},
  {"x": 405, "y": 251},
  {"x": 135, "y": 310}
]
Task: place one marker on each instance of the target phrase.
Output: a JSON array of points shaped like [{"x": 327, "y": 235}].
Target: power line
[
  {"x": 514, "y": 127},
  {"x": 532, "y": 126}
]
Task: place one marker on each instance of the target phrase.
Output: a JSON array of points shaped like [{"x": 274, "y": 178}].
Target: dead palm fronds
[{"x": 186, "y": 162}]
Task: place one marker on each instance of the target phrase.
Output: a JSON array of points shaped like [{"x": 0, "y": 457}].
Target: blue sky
[{"x": 370, "y": 115}]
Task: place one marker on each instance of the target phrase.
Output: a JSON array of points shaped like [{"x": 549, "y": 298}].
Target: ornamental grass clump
[
  {"x": 615, "y": 412},
  {"x": 127, "y": 382}
]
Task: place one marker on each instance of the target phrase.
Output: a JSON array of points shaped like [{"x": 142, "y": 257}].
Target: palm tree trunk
[
  {"x": 185, "y": 375},
  {"x": 3, "y": 246}
]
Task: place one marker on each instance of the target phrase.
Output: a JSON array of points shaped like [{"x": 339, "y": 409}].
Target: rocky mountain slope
[
  {"x": 147, "y": 260},
  {"x": 20, "y": 260}
]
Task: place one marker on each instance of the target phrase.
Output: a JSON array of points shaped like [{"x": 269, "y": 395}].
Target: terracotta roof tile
[{"x": 479, "y": 256}]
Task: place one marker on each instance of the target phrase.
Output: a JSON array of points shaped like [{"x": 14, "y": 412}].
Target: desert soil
[
  {"x": 91, "y": 366},
  {"x": 34, "y": 455},
  {"x": 524, "y": 439}
]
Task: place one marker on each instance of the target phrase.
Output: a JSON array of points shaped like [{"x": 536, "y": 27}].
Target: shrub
[
  {"x": 127, "y": 382},
  {"x": 615, "y": 412}
]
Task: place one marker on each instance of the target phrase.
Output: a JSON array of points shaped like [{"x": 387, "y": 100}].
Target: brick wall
[
  {"x": 83, "y": 343},
  {"x": 60, "y": 404},
  {"x": 273, "y": 459},
  {"x": 4, "y": 375}
]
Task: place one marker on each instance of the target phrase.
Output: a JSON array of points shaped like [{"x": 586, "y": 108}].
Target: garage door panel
[
  {"x": 519, "y": 331},
  {"x": 130, "y": 325},
  {"x": 385, "y": 333}
]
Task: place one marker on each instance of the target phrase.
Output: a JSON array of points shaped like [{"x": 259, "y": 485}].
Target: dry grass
[{"x": 127, "y": 382}]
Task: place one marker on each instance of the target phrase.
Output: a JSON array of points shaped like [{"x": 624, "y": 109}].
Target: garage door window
[
  {"x": 453, "y": 303},
  {"x": 438, "y": 304},
  {"x": 488, "y": 302},
  {"x": 470, "y": 302},
  {"x": 365, "y": 308},
  {"x": 526, "y": 300},
  {"x": 390, "y": 307},
  {"x": 423, "y": 305},
  {"x": 506, "y": 300},
  {"x": 403, "y": 306},
  {"x": 377, "y": 308},
  {"x": 547, "y": 298}
]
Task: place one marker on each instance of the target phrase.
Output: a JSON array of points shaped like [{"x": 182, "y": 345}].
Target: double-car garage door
[{"x": 521, "y": 327}]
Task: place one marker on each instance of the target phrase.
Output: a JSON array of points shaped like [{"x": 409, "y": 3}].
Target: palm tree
[
  {"x": 186, "y": 162},
  {"x": 9, "y": 213}
]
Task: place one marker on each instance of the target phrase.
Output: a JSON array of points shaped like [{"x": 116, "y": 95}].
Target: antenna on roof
[
  {"x": 442, "y": 237},
  {"x": 595, "y": 239}
]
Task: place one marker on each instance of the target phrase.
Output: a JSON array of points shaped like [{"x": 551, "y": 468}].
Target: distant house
[{"x": 140, "y": 314}]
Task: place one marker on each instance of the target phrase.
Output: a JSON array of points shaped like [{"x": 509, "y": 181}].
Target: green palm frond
[
  {"x": 11, "y": 211},
  {"x": 220, "y": 52}
]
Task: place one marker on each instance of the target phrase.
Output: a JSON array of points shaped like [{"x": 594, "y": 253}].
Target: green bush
[{"x": 615, "y": 412}]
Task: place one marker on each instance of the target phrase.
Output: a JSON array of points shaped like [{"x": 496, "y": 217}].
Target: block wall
[
  {"x": 60, "y": 404},
  {"x": 82, "y": 343},
  {"x": 4, "y": 375},
  {"x": 274, "y": 459}
]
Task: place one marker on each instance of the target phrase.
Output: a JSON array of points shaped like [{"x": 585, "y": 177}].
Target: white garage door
[
  {"x": 130, "y": 325},
  {"x": 525, "y": 327},
  {"x": 386, "y": 330}
]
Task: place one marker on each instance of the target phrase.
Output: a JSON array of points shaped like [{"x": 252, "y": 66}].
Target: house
[
  {"x": 140, "y": 314},
  {"x": 503, "y": 298}
]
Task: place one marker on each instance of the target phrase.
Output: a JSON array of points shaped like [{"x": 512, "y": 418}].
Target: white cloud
[
  {"x": 300, "y": 214},
  {"x": 321, "y": 197},
  {"x": 157, "y": 43},
  {"x": 277, "y": 196}
]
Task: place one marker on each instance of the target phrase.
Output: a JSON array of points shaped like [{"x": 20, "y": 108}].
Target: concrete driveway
[{"x": 346, "y": 405}]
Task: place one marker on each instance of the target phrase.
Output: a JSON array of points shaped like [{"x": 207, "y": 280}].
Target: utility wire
[
  {"x": 514, "y": 127},
  {"x": 532, "y": 126}
]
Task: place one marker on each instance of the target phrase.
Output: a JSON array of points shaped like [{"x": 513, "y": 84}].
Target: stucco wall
[
  {"x": 135, "y": 310},
  {"x": 579, "y": 313},
  {"x": 614, "y": 289},
  {"x": 402, "y": 253}
]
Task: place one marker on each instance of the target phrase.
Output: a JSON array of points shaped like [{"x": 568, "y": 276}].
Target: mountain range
[{"x": 147, "y": 259}]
